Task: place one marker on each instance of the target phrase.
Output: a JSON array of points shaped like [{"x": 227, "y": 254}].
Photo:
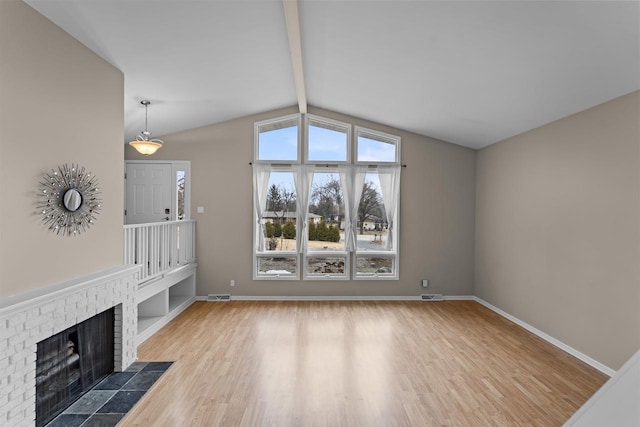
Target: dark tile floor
[{"x": 109, "y": 401}]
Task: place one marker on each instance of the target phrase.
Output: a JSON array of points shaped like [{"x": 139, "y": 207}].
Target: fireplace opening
[{"x": 71, "y": 362}]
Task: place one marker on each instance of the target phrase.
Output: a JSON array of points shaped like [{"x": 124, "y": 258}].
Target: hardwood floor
[{"x": 451, "y": 363}]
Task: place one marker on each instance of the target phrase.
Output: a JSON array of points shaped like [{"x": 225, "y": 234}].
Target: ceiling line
[{"x": 292, "y": 19}]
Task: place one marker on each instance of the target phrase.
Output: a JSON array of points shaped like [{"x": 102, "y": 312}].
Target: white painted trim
[
  {"x": 335, "y": 298},
  {"x": 562, "y": 346},
  {"x": 324, "y": 298}
]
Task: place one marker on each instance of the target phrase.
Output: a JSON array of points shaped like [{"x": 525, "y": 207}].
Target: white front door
[{"x": 148, "y": 193}]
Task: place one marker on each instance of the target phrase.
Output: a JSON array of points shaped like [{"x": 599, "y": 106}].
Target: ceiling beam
[{"x": 292, "y": 19}]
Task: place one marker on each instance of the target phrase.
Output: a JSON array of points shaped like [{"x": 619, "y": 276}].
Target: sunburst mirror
[{"x": 69, "y": 200}]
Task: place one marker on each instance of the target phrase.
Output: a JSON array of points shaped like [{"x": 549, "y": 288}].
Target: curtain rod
[{"x": 328, "y": 165}]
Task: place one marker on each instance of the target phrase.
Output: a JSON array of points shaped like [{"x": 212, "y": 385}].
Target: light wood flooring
[{"x": 451, "y": 363}]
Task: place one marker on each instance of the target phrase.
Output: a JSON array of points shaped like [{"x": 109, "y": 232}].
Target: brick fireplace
[{"x": 29, "y": 318}]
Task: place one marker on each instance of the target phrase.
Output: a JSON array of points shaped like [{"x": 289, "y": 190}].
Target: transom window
[
  {"x": 278, "y": 140},
  {"x": 327, "y": 140},
  {"x": 376, "y": 147},
  {"x": 330, "y": 213}
]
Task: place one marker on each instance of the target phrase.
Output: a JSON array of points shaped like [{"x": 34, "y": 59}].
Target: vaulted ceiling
[{"x": 471, "y": 73}]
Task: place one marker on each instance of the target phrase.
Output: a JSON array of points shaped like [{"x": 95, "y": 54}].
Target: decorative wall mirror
[{"x": 69, "y": 200}]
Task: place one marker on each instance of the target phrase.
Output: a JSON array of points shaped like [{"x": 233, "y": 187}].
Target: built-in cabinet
[{"x": 162, "y": 299}]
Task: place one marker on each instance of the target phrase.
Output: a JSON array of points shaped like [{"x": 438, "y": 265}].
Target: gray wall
[
  {"x": 437, "y": 212},
  {"x": 59, "y": 103},
  {"x": 558, "y": 229}
]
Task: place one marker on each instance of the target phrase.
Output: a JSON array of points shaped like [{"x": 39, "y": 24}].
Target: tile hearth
[{"x": 109, "y": 401}]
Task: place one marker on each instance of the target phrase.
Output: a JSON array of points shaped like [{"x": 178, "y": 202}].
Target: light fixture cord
[{"x": 146, "y": 126}]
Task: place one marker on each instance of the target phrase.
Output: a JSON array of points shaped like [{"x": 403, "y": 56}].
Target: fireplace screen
[{"x": 71, "y": 363}]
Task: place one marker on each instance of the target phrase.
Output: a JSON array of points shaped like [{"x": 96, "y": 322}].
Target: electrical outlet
[
  {"x": 425, "y": 283},
  {"x": 232, "y": 283}
]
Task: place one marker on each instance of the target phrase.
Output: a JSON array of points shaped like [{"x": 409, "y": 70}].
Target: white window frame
[
  {"x": 374, "y": 134},
  {"x": 265, "y": 123},
  {"x": 327, "y": 276},
  {"x": 309, "y": 119},
  {"x": 395, "y": 253},
  {"x": 185, "y": 166},
  {"x": 263, "y": 276},
  {"x": 347, "y": 255},
  {"x": 257, "y": 275},
  {"x": 303, "y": 254},
  {"x": 376, "y": 276}
]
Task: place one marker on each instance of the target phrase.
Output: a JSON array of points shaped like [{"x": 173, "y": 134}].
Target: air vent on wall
[
  {"x": 218, "y": 297},
  {"x": 431, "y": 297}
]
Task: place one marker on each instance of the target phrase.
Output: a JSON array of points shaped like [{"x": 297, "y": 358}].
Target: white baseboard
[
  {"x": 323, "y": 298},
  {"x": 562, "y": 346},
  {"x": 337, "y": 298}
]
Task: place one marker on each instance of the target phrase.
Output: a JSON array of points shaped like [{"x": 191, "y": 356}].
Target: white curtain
[
  {"x": 302, "y": 178},
  {"x": 390, "y": 185},
  {"x": 352, "y": 180},
  {"x": 261, "y": 173}
]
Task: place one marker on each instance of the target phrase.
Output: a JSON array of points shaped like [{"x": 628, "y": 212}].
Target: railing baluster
[
  {"x": 145, "y": 250},
  {"x": 159, "y": 247},
  {"x": 180, "y": 245},
  {"x": 174, "y": 246},
  {"x": 192, "y": 256},
  {"x": 150, "y": 243},
  {"x": 127, "y": 247},
  {"x": 155, "y": 247},
  {"x": 167, "y": 244}
]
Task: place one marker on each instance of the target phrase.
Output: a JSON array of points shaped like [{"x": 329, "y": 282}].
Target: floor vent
[
  {"x": 218, "y": 297},
  {"x": 431, "y": 297}
]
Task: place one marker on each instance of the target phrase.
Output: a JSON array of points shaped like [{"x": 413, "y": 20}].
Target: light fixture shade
[
  {"x": 142, "y": 143},
  {"x": 146, "y": 147}
]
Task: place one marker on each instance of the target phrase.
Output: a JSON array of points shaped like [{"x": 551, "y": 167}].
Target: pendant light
[{"x": 142, "y": 143}]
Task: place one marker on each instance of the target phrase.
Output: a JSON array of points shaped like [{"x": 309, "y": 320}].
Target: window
[
  {"x": 276, "y": 222},
  {"x": 181, "y": 183},
  {"x": 278, "y": 140},
  {"x": 376, "y": 147},
  {"x": 325, "y": 252},
  {"x": 326, "y": 217},
  {"x": 377, "y": 213},
  {"x": 327, "y": 140}
]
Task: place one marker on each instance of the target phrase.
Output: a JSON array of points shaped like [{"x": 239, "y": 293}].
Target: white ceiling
[{"x": 472, "y": 73}]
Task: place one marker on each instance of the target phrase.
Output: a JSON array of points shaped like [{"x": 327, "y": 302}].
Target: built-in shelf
[
  {"x": 177, "y": 302},
  {"x": 145, "y": 323},
  {"x": 164, "y": 298},
  {"x": 180, "y": 293}
]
